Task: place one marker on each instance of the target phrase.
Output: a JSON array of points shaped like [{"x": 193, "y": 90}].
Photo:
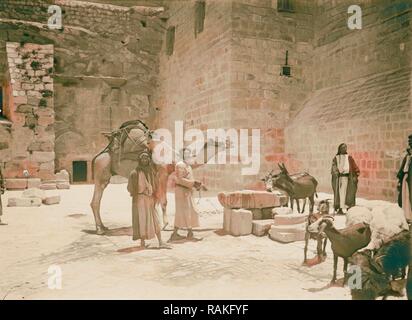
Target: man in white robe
[{"x": 186, "y": 215}]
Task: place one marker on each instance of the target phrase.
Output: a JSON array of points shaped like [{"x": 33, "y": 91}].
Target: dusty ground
[{"x": 110, "y": 266}]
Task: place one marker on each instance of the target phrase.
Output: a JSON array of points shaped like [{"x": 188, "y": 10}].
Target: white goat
[{"x": 384, "y": 221}]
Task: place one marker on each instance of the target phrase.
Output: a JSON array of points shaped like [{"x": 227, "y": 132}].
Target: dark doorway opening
[{"x": 79, "y": 171}]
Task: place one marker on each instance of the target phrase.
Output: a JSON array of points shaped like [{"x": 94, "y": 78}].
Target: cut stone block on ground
[
  {"x": 282, "y": 211},
  {"x": 63, "y": 175},
  {"x": 227, "y": 215},
  {"x": 240, "y": 222},
  {"x": 33, "y": 183},
  {"x": 293, "y": 228},
  {"x": 261, "y": 227},
  {"x": 16, "y": 184},
  {"x": 52, "y": 200},
  {"x": 286, "y": 237},
  {"x": 251, "y": 199},
  {"x": 48, "y": 186},
  {"x": 34, "y": 193},
  {"x": 289, "y": 219},
  {"x": 62, "y": 185},
  {"x": 24, "y": 202}
]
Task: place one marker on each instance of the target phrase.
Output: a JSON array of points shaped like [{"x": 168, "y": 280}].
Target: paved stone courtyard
[{"x": 112, "y": 267}]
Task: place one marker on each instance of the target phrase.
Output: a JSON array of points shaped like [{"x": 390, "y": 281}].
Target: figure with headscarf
[
  {"x": 186, "y": 215},
  {"x": 142, "y": 186},
  {"x": 345, "y": 175},
  {"x": 405, "y": 182}
]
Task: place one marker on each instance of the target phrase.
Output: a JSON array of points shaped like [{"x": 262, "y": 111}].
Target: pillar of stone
[{"x": 30, "y": 109}]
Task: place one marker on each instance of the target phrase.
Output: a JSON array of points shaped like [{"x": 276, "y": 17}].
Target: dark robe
[
  {"x": 400, "y": 177},
  {"x": 352, "y": 188},
  {"x": 145, "y": 220}
]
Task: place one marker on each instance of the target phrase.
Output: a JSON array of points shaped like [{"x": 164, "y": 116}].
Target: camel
[{"x": 119, "y": 157}]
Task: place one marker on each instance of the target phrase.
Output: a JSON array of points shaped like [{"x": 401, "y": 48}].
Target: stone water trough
[{"x": 261, "y": 213}]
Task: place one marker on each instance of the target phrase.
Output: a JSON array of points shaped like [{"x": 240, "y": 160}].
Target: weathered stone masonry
[
  {"x": 30, "y": 109},
  {"x": 105, "y": 71},
  {"x": 111, "y": 65}
]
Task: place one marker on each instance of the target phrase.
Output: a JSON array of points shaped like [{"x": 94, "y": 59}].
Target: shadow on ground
[{"x": 115, "y": 232}]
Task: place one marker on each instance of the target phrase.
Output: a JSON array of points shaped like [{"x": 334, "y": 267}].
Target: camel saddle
[{"x": 129, "y": 141}]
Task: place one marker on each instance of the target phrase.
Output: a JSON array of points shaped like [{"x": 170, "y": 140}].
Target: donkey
[
  {"x": 298, "y": 186},
  {"x": 270, "y": 186}
]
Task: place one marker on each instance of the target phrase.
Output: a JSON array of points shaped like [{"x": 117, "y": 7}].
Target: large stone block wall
[
  {"x": 362, "y": 96},
  {"x": 261, "y": 97},
  {"x": 242, "y": 89},
  {"x": 105, "y": 67},
  {"x": 195, "y": 80}
]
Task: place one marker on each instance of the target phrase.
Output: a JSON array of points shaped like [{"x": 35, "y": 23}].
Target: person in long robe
[
  {"x": 405, "y": 182},
  {"x": 345, "y": 175},
  {"x": 186, "y": 215},
  {"x": 2, "y": 189},
  {"x": 141, "y": 186}
]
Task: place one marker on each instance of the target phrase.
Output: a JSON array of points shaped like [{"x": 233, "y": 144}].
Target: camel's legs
[
  {"x": 102, "y": 178},
  {"x": 95, "y": 204}
]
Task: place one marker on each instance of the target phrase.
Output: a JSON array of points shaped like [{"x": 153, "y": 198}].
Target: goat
[
  {"x": 323, "y": 209},
  {"x": 379, "y": 272},
  {"x": 344, "y": 242}
]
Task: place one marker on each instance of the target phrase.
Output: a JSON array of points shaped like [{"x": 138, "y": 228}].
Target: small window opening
[
  {"x": 285, "y": 6},
  {"x": 170, "y": 40},
  {"x": 200, "y": 14},
  {"x": 79, "y": 171}
]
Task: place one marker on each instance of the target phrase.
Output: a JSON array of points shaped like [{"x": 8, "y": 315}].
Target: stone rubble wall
[
  {"x": 105, "y": 72},
  {"x": 30, "y": 110}
]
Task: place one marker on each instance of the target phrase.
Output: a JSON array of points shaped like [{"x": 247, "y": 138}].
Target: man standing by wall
[
  {"x": 186, "y": 215},
  {"x": 405, "y": 182},
  {"x": 345, "y": 174}
]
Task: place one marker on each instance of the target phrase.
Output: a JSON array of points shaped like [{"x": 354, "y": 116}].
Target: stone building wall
[
  {"x": 105, "y": 67},
  {"x": 361, "y": 96},
  {"x": 261, "y": 97},
  {"x": 242, "y": 88},
  {"x": 195, "y": 79},
  {"x": 111, "y": 65}
]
